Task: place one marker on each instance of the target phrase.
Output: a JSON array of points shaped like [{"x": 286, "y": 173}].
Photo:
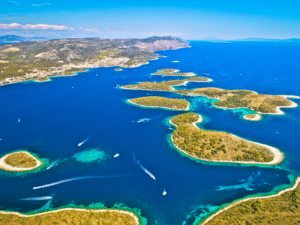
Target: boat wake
[
  {"x": 140, "y": 165},
  {"x": 144, "y": 120},
  {"x": 81, "y": 143},
  {"x": 55, "y": 163},
  {"x": 80, "y": 178},
  {"x": 36, "y": 198}
]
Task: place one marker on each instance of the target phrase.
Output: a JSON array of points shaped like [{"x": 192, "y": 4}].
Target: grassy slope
[
  {"x": 214, "y": 145},
  {"x": 155, "y": 101},
  {"x": 70, "y": 217},
  {"x": 20, "y": 160},
  {"x": 279, "y": 210}
]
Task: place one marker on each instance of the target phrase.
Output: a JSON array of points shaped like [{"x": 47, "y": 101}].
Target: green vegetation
[
  {"x": 250, "y": 116},
  {"x": 278, "y": 210},
  {"x": 241, "y": 99},
  {"x": 32, "y": 60},
  {"x": 160, "y": 102},
  {"x": 172, "y": 72},
  {"x": 21, "y": 160},
  {"x": 74, "y": 217},
  {"x": 165, "y": 85},
  {"x": 215, "y": 145}
]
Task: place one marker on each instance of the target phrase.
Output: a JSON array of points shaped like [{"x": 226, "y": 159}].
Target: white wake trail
[
  {"x": 81, "y": 143},
  {"x": 80, "y": 178},
  {"x": 142, "y": 167},
  {"x": 36, "y": 198}
]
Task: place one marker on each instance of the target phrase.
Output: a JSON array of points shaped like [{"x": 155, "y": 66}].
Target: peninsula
[
  {"x": 233, "y": 99},
  {"x": 74, "y": 216},
  {"x": 216, "y": 146},
  {"x": 19, "y": 161},
  {"x": 165, "y": 85},
  {"x": 281, "y": 208},
  {"x": 172, "y": 72},
  {"x": 63, "y": 57},
  {"x": 161, "y": 102}
]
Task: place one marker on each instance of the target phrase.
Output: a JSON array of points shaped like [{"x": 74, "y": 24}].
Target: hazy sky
[{"x": 192, "y": 20}]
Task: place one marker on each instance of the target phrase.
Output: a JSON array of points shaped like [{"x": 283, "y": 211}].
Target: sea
[{"x": 71, "y": 117}]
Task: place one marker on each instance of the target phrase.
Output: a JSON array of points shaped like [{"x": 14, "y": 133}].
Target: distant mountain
[
  {"x": 268, "y": 40},
  {"x": 213, "y": 39},
  {"x": 6, "y": 39}
]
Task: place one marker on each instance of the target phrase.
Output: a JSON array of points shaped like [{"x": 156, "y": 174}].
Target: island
[
  {"x": 118, "y": 69},
  {"x": 281, "y": 208},
  {"x": 252, "y": 117},
  {"x": 74, "y": 216},
  {"x": 172, "y": 72},
  {"x": 233, "y": 99},
  {"x": 227, "y": 99},
  {"x": 161, "y": 102},
  {"x": 165, "y": 85},
  {"x": 19, "y": 161},
  {"x": 26, "y": 61},
  {"x": 216, "y": 146}
]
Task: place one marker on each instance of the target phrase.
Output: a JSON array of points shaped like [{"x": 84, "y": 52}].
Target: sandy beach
[
  {"x": 278, "y": 156},
  {"x": 5, "y": 166},
  {"x": 247, "y": 199},
  {"x": 136, "y": 219}
]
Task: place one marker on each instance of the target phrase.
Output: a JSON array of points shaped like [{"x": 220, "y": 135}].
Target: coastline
[
  {"x": 278, "y": 156},
  {"x": 297, "y": 181},
  {"x": 6, "y": 167},
  {"x": 159, "y": 107},
  {"x": 136, "y": 218},
  {"x": 86, "y": 66},
  {"x": 172, "y": 86},
  {"x": 278, "y": 108}
]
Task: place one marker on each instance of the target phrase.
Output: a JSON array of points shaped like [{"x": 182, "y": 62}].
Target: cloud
[
  {"x": 93, "y": 30},
  {"x": 42, "y": 4},
  {"x": 33, "y": 27}
]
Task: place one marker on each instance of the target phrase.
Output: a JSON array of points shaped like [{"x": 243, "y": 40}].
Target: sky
[{"x": 190, "y": 20}]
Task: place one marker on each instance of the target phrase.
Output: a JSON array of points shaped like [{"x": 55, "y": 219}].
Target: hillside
[{"x": 40, "y": 60}]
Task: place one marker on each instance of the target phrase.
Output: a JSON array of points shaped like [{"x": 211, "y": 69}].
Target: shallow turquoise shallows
[
  {"x": 89, "y": 156},
  {"x": 69, "y": 115}
]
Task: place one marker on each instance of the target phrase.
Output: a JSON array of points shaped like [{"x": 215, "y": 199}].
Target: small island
[
  {"x": 118, "y": 69},
  {"x": 74, "y": 216},
  {"x": 252, "y": 117},
  {"x": 216, "y": 146},
  {"x": 19, "y": 161},
  {"x": 233, "y": 99},
  {"x": 161, "y": 102},
  {"x": 172, "y": 72},
  {"x": 165, "y": 85},
  {"x": 281, "y": 208}
]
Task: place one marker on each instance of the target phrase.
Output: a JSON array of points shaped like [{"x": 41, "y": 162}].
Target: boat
[
  {"x": 164, "y": 193},
  {"x": 19, "y": 120},
  {"x": 116, "y": 155}
]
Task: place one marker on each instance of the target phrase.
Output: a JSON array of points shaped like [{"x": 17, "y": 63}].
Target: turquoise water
[
  {"x": 90, "y": 156},
  {"x": 57, "y": 116}
]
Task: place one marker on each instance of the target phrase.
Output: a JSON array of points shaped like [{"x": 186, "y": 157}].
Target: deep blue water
[{"x": 55, "y": 116}]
